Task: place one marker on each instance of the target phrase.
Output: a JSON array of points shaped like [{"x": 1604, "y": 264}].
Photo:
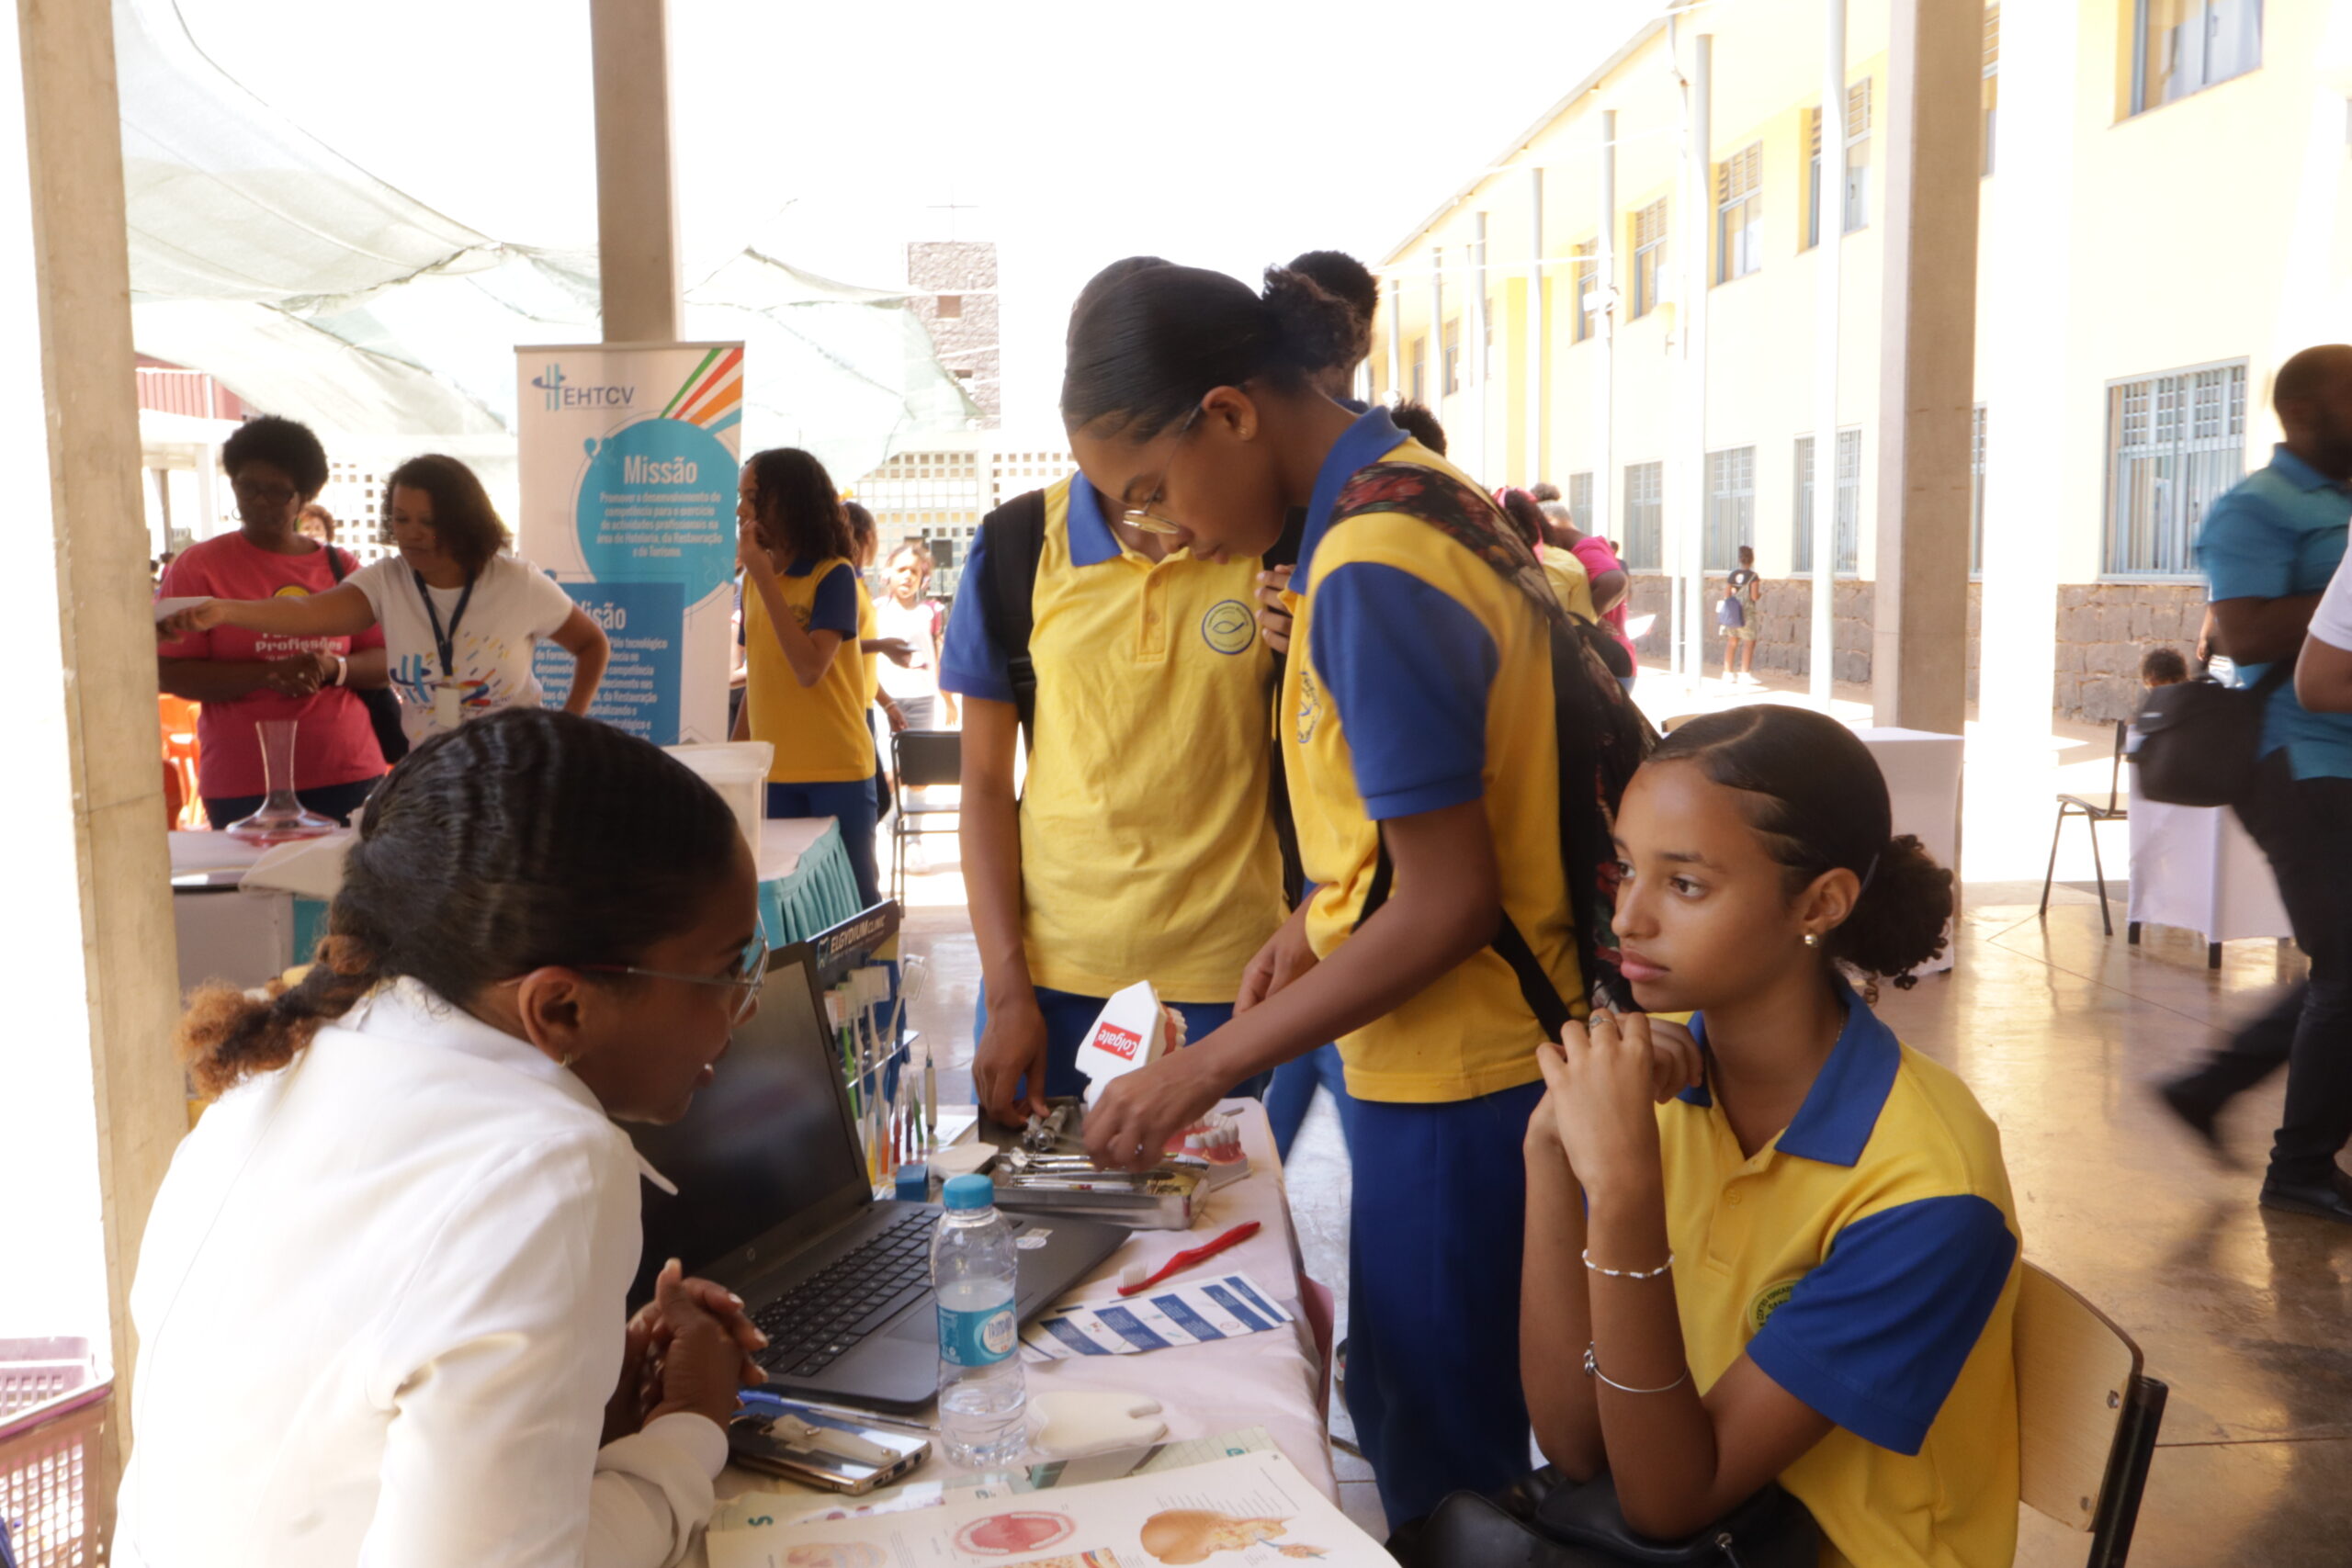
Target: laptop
[{"x": 773, "y": 1204}]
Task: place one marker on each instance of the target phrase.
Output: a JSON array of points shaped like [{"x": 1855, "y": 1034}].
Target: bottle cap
[{"x": 972, "y": 1191}]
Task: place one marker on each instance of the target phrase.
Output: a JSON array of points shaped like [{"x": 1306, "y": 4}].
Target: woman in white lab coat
[{"x": 380, "y": 1298}]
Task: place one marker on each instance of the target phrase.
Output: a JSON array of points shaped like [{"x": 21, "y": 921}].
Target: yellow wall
[{"x": 2213, "y": 228}]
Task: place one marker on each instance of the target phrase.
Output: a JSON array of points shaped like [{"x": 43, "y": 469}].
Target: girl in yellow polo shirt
[
  {"x": 1403, "y": 723},
  {"x": 1803, "y": 1265},
  {"x": 803, "y": 689}
]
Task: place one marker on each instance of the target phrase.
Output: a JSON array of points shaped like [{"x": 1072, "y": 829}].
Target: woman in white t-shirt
[
  {"x": 461, "y": 615},
  {"x": 902, "y": 612}
]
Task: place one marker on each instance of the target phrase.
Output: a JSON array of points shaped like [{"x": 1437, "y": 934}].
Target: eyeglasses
[
  {"x": 269, "y": 496},
  {"x": 744, "y": 977},
  {"x": 1142, "y": 519}
]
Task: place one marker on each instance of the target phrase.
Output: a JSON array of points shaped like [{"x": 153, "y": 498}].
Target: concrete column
[
  {"x": 636, "y": 212},
  {"x": 1827, "y": 258},
  {"x": 1604, "y": 358},
  {"x": 1927, "y": 365},
  {"x": 98, "y": 1100},
  {"x": 1395, "y": 336},
  {"x": 1537, "y": 468},
  {"x": 1686, "y": 498},
  {"x": 1436, "y": 360}
]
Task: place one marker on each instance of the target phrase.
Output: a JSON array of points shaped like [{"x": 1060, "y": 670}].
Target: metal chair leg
[
  {"x": 2212, "y": 955},
  {"x": 2050, "y": 870},
  {"x": 2106, "y": 922},
  {"x": 2131, "y": 933}
]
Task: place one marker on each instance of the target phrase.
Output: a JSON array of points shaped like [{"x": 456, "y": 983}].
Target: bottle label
[{"x": 980, "y": 1338}]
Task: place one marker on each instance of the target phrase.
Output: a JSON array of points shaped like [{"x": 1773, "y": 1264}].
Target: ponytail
[
  {"x": 227, "y": 1035},
  {"x": 1147, "y": 342}
]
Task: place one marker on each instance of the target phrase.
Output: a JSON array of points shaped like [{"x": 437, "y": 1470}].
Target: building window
[
  {"x": 1739, "y": 214},
  {"x": 1813, "y": 180},
  {"x": 1419, "y": 377},
  {"x": 1976, "y": 493},
  {"x": 1731, "y": 507},
  {"x": 1858, "y": 155},
  {"x": 1650, "y": 258},
  {"x": 2175, "y": 443},
  {"x": 951, "y": 307},
  {"x": 1992, "y": 83},
  {"x": 2181, "y": 46},
  {"x": 1586, "y": 275},
  {"x": 1846, "y": 554},
  {"x": 1645, "y": 522},
  {"x": 1580, "y": 499},
  {"x": 1454, "y": 357}
]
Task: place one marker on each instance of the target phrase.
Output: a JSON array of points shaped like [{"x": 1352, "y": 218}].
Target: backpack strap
[{"x": 1013, "y": 540}]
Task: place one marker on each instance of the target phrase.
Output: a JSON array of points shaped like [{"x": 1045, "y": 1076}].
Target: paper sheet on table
[
  {"x": 1251, "y": 1512},
  {"x": 311, "y": 868},
  {"x": 1228, "y": 1308}
]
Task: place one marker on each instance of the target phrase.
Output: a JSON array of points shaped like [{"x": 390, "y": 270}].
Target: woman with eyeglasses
[
  {"x": 1427, "y": 810},
  {"x": 381, "y": 1299},
  {"x": 242, "y": 677},
  {"x": 1142, "y": 846}
]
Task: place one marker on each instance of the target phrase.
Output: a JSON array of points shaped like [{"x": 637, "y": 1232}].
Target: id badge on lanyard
[{"x": 449, "y": 692}]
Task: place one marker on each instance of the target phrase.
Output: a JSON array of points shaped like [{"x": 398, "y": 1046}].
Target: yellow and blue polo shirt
[
  {"x": 1147, "y": 847},
  {"x": 1570, "y": 583},
  {"x": 1426, "y": 682},
  {"x": 818, "y": 731},
  {"x": 1866, "y": 1259}
]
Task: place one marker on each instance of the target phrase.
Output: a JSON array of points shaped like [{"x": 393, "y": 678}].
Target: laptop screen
[{"x": 767, "y": 1147}]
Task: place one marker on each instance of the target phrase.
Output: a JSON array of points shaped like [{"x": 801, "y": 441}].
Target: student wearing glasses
[
  {"x": 1143, "y": 845},
  {"x": 1403, "y": 724},
  {"x": 381, "y": 1297}
]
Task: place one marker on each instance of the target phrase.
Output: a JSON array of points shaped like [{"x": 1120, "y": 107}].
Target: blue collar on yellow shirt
[
  {"x": 799, "y": 568},
  {"x": 1363, "y": 443},
  {"x": 2300, "y": 474},
  {"x": 1840, "y": 1111},
  {"x": 1091, "y": 540}
]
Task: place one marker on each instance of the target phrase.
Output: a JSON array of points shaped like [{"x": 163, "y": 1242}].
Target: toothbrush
[
  {"x": 1132, "y": 1278},
  {"x": 930, "y": 1096}
]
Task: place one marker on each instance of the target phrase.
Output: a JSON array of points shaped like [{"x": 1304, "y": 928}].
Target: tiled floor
[{"x": 2058, "y": 1029}]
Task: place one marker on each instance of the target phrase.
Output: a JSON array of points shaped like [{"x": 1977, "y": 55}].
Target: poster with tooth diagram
[
  {"x": 1254, "y": 1511},
  {"x": 629, "y": 454}
]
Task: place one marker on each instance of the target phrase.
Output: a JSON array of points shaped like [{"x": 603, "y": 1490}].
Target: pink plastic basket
[{"x": 50, "y": 1417}]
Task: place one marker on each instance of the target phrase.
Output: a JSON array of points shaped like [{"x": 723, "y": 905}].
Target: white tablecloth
[
  {"x": 1922, "y": 772},
  {"x": 2194, "y": 867},
  {"x": 1272, "y": 1380}
]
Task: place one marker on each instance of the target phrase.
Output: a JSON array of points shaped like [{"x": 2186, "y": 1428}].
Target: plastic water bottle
[{"x": 983, "y": 1396}]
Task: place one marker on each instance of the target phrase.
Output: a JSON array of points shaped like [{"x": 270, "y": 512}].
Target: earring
[
  {"x": 1813, "y": 939},
  {"x": 572, "y": 1056}
]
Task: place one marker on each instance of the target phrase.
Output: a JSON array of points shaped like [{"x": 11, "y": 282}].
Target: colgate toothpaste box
[{"x": 1130, "y": 1033}]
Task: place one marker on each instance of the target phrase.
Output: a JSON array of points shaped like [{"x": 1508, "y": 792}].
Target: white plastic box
[{"x": 737, "y": 770}]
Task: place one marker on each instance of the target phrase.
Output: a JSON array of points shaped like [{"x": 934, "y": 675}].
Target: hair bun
[
  {"x": 1313, "y": 330},
  {"x": 1898, "y": 923}
]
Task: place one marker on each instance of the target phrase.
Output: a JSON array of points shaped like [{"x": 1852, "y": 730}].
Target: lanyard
[{"x": 445, "y": 643}]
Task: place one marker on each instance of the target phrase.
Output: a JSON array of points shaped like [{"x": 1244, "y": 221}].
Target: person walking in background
[
  {"x": 806, "y": 691},
  {"x": 1612, "y": 584},
  {"x": 318, "y": 524},
  {"x": 243, "y": 676},
  {"x": 461, "y": 615},
  {"x": 1561, "y": 568},
  {"x": 2163, "y": 667},
  {"x": 903, "y": 615},
  {"x": 2269, "y": 549},
  {"x": 1735, "y": 614}
]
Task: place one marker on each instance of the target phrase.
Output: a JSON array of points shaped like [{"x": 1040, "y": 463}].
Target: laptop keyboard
[{"x": 822, "y": 1317}]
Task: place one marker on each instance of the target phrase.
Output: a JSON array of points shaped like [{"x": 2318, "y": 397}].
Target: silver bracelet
[
  {"x": 1592, "y": 1370},
  {"x": 1630, "y": 1273}
]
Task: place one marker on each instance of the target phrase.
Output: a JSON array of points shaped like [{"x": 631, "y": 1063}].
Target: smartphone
[{"x": 792, "y": 1442}]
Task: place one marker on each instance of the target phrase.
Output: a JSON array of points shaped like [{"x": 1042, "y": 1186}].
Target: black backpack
[
  {"x": 1013, "y": 540},
  {"x": 1602, "y": 737},
  {"x": 2198, "y": 740}
]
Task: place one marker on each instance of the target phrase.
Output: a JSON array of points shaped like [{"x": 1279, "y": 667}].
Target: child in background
[
  {"x": 1846, "y": 1330},
  {"x": 2163, "y": 667},
  {"x": 1735, "y": 614}
]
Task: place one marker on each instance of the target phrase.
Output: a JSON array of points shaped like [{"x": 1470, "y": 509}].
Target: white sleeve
[
  {"x": 548, "y": 606},
  {"x": 2332, "y": 622},
  {"x": 496, "y": 1362},
  {"x": 378, "y": 582}
]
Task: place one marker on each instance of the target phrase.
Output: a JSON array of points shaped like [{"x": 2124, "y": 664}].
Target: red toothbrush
[{"x": 1183, "y": 1261}]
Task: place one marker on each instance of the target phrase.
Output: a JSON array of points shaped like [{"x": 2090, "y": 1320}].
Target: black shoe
[
  {"x": 2327, "y": 1199},
  {"x": 2200, "y": 1117}
]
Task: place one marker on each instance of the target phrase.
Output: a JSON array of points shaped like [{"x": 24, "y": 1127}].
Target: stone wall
[
  {"x": 964, "y": 269},
  {"x": 2102, "y": 630}
]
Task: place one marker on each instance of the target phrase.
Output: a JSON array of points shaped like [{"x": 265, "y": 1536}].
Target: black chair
[
  {"x": 2093, "y": 813},
  {"x": 921, "y": 758}
]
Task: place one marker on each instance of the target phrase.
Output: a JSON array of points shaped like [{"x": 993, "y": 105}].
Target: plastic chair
[
  {"x": 921, "y": 758},
  {"x": 2093, "y": 813},
  {"x": 177, "y": 715},
  {"x": 2088, "y": 1417}
]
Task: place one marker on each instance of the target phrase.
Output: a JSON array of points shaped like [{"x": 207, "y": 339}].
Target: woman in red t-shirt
[{"x": 242, "y": 677}]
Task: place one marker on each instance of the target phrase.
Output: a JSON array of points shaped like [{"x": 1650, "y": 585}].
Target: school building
[{"x": 1630, "y": 302}]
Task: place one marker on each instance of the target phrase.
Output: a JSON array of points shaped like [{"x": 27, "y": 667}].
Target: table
[
  {"x": 1922, "y": 772},
  {"x": 1273, "y": 1379},
  {"x": 246, "y": 936},
  {"x": 2195, "y": 867}
]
